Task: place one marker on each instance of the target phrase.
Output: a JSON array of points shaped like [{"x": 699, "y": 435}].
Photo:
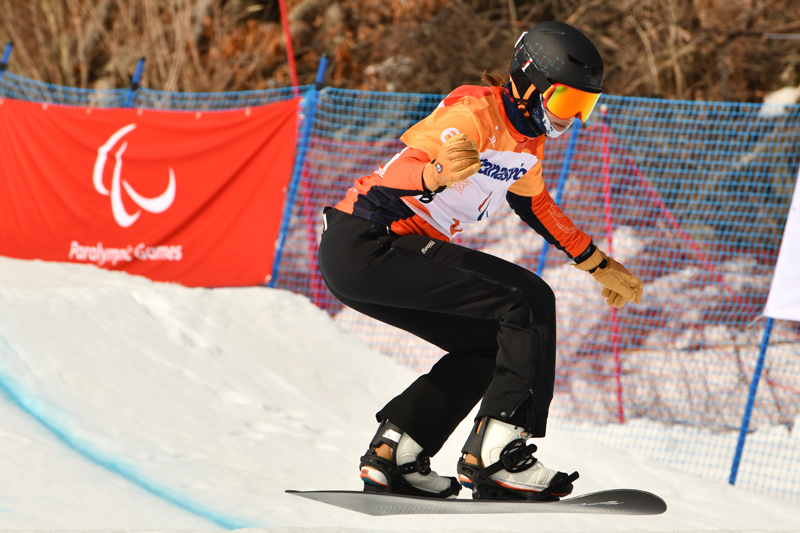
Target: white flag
[{"x": 783, "y": 301}]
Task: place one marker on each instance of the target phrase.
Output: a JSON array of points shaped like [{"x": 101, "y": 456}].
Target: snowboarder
[{"x": 386, "y": 252}]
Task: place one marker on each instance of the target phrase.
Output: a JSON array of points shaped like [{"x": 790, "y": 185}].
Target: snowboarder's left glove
[
  {"x": 457, "y": 160},
  {"x": 619, "y": 286}
]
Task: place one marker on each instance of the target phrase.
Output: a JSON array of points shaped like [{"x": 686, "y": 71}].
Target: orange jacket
[{"x": 511, "y": 168}]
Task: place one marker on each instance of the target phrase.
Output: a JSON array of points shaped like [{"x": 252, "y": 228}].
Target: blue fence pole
[
  {"x": 6, "y": 56},
  {"x": 137, "y": 77},
  {"x": 323, "y": 66},
  {"x": 562, "y": 179},
  {"x": 751, "y": 400},
  {"x": 309, "y": 111}
]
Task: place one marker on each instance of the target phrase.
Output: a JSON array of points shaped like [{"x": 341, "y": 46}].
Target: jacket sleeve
[
  {"x": 403, "y": 172},
  {"x": 542, "y": 214}
]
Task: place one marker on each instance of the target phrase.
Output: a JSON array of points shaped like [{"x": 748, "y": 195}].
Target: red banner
[{"x": 191, "y": 197}]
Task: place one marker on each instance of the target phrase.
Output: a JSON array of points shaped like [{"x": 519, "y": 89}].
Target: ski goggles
[{"x": 566, "y": 102}]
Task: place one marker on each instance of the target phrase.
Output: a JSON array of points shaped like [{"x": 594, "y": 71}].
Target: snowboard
[{"x": 616, "y": 501}]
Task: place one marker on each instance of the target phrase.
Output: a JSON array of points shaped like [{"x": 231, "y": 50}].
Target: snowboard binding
[
  {"x": 515, "y": 457},
  {"x": 385, "y": 475}
]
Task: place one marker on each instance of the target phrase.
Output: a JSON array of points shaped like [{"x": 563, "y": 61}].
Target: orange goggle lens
[{"x": 566, "y": 102}]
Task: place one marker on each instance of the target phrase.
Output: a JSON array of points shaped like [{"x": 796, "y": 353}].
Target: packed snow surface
[{"x": 134, "y": 405}]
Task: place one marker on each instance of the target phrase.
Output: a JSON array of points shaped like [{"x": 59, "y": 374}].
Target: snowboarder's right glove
[
  {"x": 619, "y": 286},
  {"x": 457, "y": 160}
]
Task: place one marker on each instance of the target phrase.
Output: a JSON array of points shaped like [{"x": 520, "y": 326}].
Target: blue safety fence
[
  {"x": 690, "y": 196},
  {"x": 20, "y": 88}
]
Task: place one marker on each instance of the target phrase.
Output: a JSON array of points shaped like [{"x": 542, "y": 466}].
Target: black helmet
[{"x": 554, "y": 52}]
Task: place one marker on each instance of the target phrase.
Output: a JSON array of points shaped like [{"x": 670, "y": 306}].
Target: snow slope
[{"x": 130, "y": 404}]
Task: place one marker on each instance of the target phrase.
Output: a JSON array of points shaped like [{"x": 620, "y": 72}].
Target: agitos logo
[{"x": 158, "y": 204}]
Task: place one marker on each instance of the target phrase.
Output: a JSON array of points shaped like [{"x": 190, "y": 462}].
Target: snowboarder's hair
[{"x": 493, "y": 80}]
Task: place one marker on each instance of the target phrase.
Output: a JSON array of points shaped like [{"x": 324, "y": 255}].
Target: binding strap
[
  {"x": 422, "y": 465},
  {"x": 515, "y": 457}
]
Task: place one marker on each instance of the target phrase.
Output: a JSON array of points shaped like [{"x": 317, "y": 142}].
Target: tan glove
[
  {"x": 457, "y": 160},
  {"x": 619, "y": 286}
]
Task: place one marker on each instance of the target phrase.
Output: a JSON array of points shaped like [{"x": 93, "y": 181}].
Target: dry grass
[{"x": 684, "y": 49}]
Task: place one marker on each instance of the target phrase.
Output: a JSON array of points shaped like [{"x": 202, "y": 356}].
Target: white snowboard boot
[
  {"x": 397, "y": 464},
  {"x": 499, "y": 464}
]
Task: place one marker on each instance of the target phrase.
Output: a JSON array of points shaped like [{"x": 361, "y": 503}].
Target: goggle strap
[{"x": 531, "y": 71}]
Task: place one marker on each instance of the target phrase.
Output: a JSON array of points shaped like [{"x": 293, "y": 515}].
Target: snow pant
[{"x": 495, "y": 320}]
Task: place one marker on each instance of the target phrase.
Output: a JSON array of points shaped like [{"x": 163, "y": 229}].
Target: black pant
[{"x": 495, "y": 320}]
